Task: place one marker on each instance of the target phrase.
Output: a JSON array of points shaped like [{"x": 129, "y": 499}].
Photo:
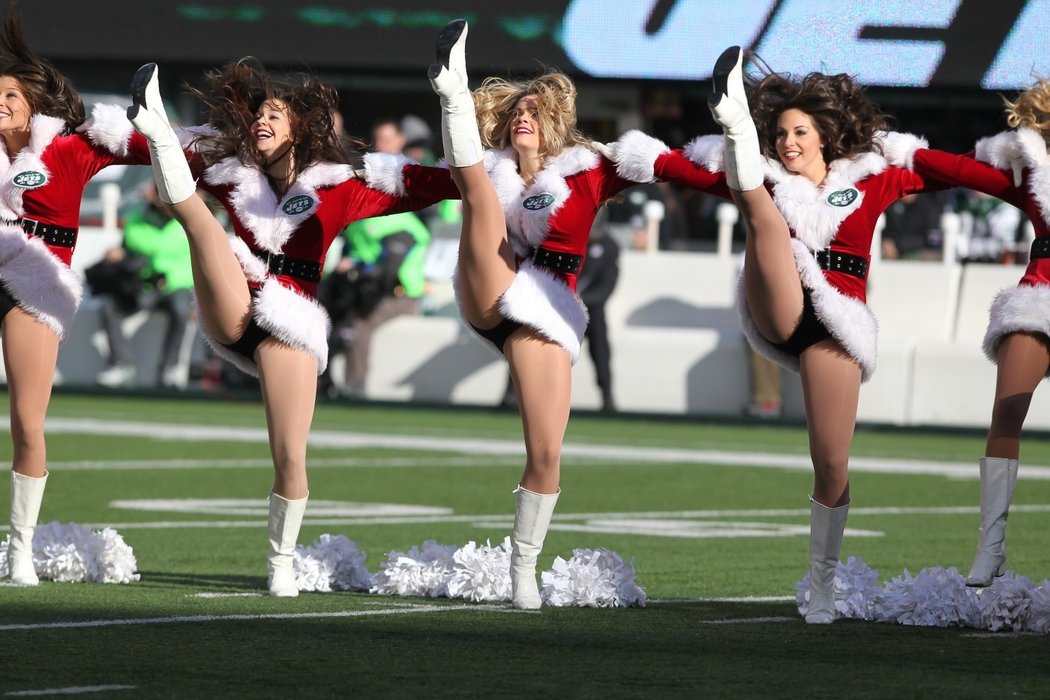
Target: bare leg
[
  {"x": 1023, "y": 359},
  {"x": 30, "y": 356},
  {"x": 831, "y": 387},
  {"x": 288, "y": 378},
  {"x": 542, "y": 374}
]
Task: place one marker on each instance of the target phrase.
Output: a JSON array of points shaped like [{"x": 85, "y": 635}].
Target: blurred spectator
[
  {"x": 379, "y": 277},
  {"x": 990, "y": 228},
  {"x": 597, "y": 280},
  {"x": 150, "y": 271},
  {"x": 418, "y": 140},
  {"x": 913, "y": 227}
]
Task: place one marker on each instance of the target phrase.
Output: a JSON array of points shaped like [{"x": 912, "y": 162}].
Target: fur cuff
[
  {"x": 708, "y": 152},
  {"x": 385, "y": 172},
  {"x": 109, "y": 128},
  {"x": 1023, "y": 308},
  {"x": 899, "y": 148},
  {"x": 635, "y": 155}
]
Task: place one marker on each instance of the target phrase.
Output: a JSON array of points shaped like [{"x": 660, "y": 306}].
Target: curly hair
[
  {"x": 556, "y": 94},
  {"x": 236, "y": 93},
  {"x": 1032, "y": 109},
  {"x": 845, "y": 118},
  {"x": 46, "y": 90}
]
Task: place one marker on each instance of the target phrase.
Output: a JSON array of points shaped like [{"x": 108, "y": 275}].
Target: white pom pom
[
  {"x": 481, "y": 573},
  {"x": 595, "y": 578},
  {"x": 74, "y": 553},
  {"x": 332, "y": 563}
]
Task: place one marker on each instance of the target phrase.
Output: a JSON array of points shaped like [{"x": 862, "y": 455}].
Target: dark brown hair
[
  {"x": 845, "y": 118},
  {"x": 47, "y": 91},
  {"x": 239, "y": 89}
]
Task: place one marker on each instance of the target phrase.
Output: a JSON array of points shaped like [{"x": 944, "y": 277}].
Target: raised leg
[
  {"x": 222, "y": 291},
  {"x": 771, "y": 281}
]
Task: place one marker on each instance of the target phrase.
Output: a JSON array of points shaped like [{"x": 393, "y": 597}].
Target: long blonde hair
[
  {"x": 495, "y": 100},
  {"x": 1032, "y": 109}
]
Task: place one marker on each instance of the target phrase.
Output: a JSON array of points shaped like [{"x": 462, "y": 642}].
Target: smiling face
[
  {"x": 525, "y": 135},
  {"x": 15, "y": 111},
  {"x": 799, "y": 145},
  {"x": 272, "y": 129}
]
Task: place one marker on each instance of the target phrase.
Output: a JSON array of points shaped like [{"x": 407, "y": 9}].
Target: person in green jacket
[{"x": 157, "y": 251}]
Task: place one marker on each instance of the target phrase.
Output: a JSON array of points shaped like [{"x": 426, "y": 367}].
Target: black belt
[
  {"x": 834, "y": 261},
  {"x": 280, "y": 264},
  {"x": 48, "y": 233},
  {"x": 562, "y": 262},
  {"x": 1040, "y": 248}
]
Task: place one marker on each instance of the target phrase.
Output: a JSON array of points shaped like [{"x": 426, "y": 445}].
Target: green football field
[{"x": 714, "y": 516}]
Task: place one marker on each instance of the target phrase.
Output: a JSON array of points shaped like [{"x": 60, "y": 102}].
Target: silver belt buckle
[{"x": 30, "y": 226}]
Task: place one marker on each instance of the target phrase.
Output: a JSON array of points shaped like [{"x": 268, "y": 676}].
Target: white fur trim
[
  {"x": 850, "y": 322},
  {"x": 708, "y": 152},
  {"x": 385, "y": 172},
  {"x": 899, "y": 148},
  {"x": 42, "y": 284},
  {"x": 1023, "y": 149},
  {"x": 540, "y": 300},
  {"x": 256, "y": 205},
  {"x": 635, "y": 155},
  {"x": 530, "y": 227},
  {"x": 805, "y": 206},
  {"x": 295, "y": 320},
  {"x": 1015, "y": 309},
  {"x": 254, "y": 268},
  {"x": 110, "y": 128},
  {"x": 43, "y": 130}
]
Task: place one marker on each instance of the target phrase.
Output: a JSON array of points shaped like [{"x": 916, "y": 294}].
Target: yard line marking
[
  {"x": 71, "y": 690},
  {"x": 1001, "y": 635},
  {"x": 329, "y": 463},
  {"x": 183, "y": 619},
  {"x": 505, "y": 520},
  {"x": 215, "y": 594},
  {"x": 747, "y": 621},
  {"x": 740, "y": 599},
  {"x": 474, "y": 446}
]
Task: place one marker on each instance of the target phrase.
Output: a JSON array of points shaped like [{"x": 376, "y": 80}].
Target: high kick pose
[
  {"x": 1015, "y": 167},
  {"x": 528, "y": 206},
  {"x": 44, "y": 167},
  {"x": 806, "y": 261},
  {"x": 273, "y": 160}
]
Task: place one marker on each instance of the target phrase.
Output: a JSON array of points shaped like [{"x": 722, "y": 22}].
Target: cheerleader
[
  {"x": 43, "y": 171},
  {"x": 528, "y": 205},
  {"x": 1015, "y": 167},
  {"x": 271, "y": 156},
  {"x": 810, "y": 168}
]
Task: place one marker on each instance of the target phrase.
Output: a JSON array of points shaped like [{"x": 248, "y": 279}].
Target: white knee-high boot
[
  {"x": 170, "y": 171},
  {"x": 26, "y": 495},
  {"x": 532, "y": 518},
  {"x": 459, "y": 122},
  {"x": 826, "y": 526},
  {"x": 283, "y": 531},
  {"x": 998, "y": 480},
  {"x": 728, "y": 104}
]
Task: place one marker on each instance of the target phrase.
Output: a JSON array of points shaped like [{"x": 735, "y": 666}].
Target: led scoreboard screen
[{"x": 904, "y": 43}]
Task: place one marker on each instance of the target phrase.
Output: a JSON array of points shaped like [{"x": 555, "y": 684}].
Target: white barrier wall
[{"x": 677, "y": 346}]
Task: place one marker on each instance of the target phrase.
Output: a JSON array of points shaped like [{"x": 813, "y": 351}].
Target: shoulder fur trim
[
  {"x": 635, "y": 155},
  {"x": 899, "y": 148},
  {"x": 43, "y": 131},
  {"x": 385, "y": 172},
  {"x": 708, "y": 152}
]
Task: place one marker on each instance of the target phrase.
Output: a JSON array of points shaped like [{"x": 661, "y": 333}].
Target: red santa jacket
[
  {"x": 45, "y": 182},
  {"x": 1015, "y": 167}
]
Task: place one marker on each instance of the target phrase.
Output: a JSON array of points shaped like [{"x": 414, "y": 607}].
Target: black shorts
[
  {"x": 810, "y": 331},
  {"x": 498, "y": 335},
  {"x": 251, "y": 339},
  {"x": 7, "y": 302}
]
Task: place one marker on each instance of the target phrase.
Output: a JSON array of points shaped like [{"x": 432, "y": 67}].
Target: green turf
[{"x": 683, "y": 644}]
